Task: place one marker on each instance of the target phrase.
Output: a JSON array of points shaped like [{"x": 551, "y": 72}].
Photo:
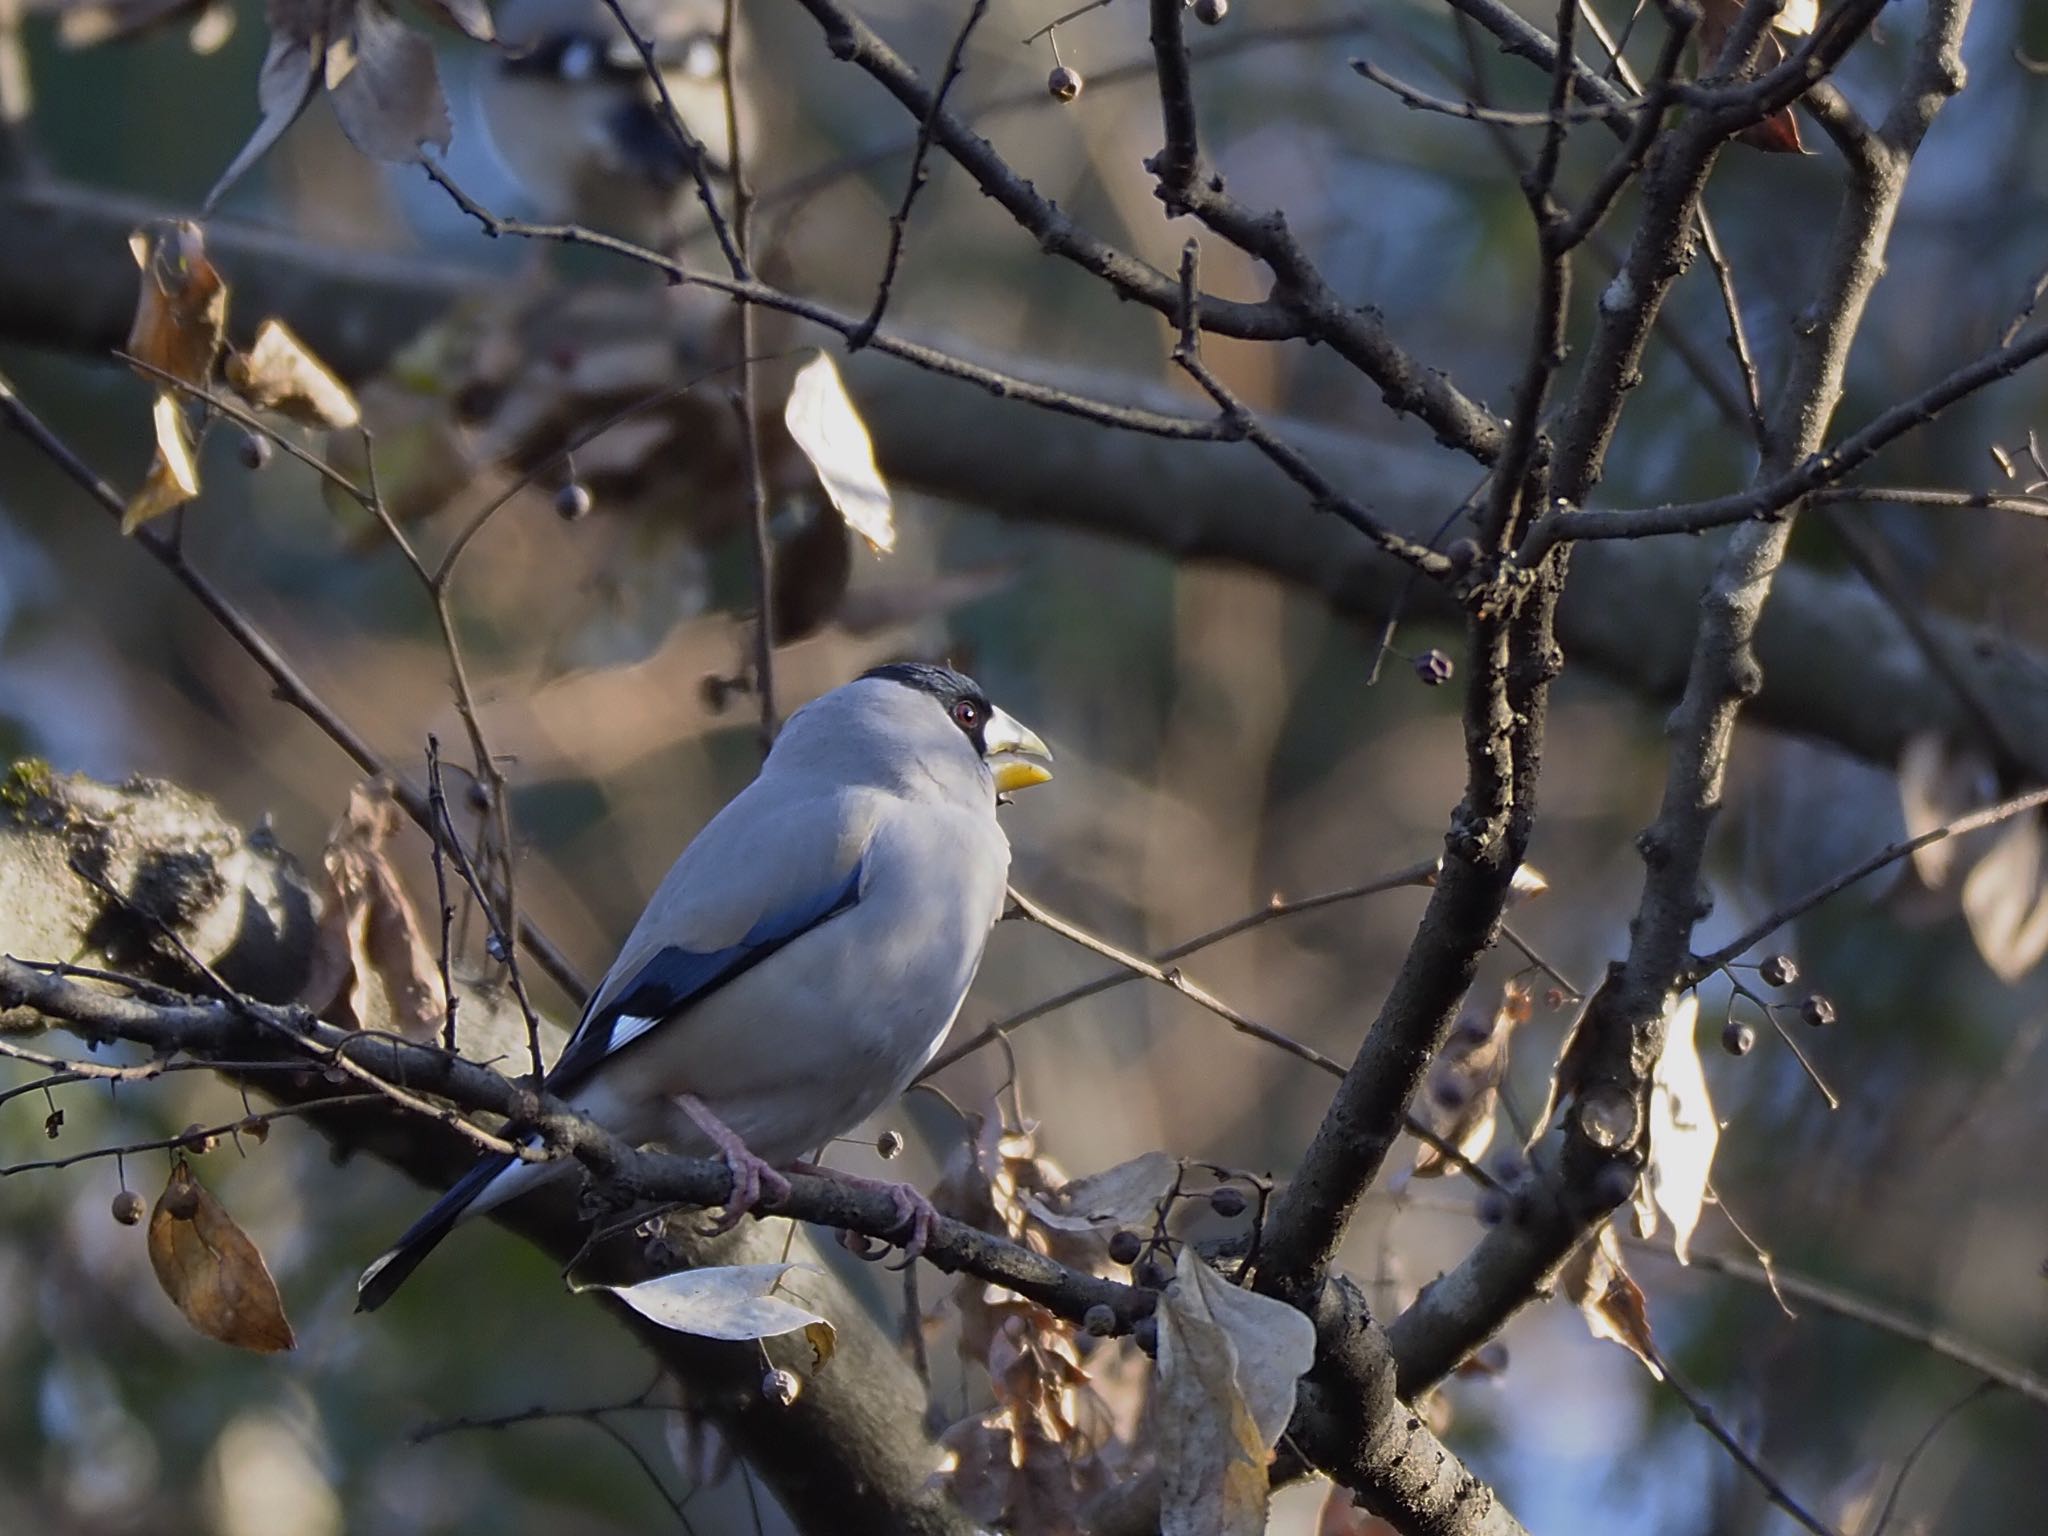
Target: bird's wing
[{"x": 771, "y": 866}]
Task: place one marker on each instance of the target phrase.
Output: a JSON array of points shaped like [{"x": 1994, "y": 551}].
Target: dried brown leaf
[
  {"x": 1607, "y": 1296},
  {"x": 286, "y": 82},
  {"x": 1462, "y": 1097},
  {"x": 211, "y": 1270},
  {"x": 387, "y": 97},
  {"x": 1778, "y": 133},
  {"x": 280, "y": 373},
  {"x": 173, "y": 477},
  {"x": 827, "y": 426},
  {"x": 1938, "y": 783},
  {"x": 2006, "y": 901},
  {"x": 1228, "y": 1363},
  {"x": 1684, "y": 1134},
  {"x": 1128, "y": 1195},
  {"x": 181, "y": 304},
  {"x": 369, "y": 919}
]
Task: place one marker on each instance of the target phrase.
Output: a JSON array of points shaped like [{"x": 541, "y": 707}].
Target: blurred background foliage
[{"x": 1218, "y": 739}]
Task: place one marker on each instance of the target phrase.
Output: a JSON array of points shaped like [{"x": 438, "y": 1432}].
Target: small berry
[
  {"x": 253, "y": 450},
  {"x": 1064, "y": 83},
  {"x": 1434, "y": 668},
  {"x": 195, "y": 1139},
  {"x": 1210, "y": 12},
  {"x": 1492, "y": 1208},
  {"x": 1817, "y": 1011},
  {"x": 573, "y": 501},
  {"x": 1124, "y": 1247},
  {"x": 1508, "y": 1167},
  {"x": 780, "y": 1387},
  {"x": 1227, "y": 1201},
  {"x": 1145, "y": 1334},
  {"x": 1100, "y": 1320},
  {"x": 1462, "y": 553},
  {"x": 1779, "y": 970},
  {"x": 479, "y": 795},
  {"x": 889, "y": 1146},
  {"x": 494, "y": 946},
  {"x": 1154, "y": 1272},
  {"x": 256, "y": 1128},
  {"x": 181, "y": 1202},
  {"x": 1451, "y": 1092},
  {"x": 127, "y": 1207},
  {"x": 1737, "y": 1038},
  {"x": 53, "y": 1124}
]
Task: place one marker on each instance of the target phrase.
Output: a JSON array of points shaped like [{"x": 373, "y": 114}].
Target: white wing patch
[{"x": 626, "y": 1029}]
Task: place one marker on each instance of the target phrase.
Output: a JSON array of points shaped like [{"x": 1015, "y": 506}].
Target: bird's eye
[{"x": 967, "y": 714}]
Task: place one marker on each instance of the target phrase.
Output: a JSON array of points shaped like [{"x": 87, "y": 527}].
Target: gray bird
[
  {"x": 573, "y": 116},
  {"x": 804, "y": 957}
]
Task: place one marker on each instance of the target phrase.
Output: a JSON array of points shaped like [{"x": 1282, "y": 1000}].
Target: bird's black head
[{"x": 958, "y": 694}]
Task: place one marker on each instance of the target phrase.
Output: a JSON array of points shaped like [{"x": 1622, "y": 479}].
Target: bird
[
  {"x": 573, "y": 115},
  {"x": 803, "y": 958}
]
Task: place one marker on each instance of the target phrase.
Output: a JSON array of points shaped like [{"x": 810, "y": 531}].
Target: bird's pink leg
[
  {"x": 914, "y": 1213},
  {"x": 752, "y": 1179}
]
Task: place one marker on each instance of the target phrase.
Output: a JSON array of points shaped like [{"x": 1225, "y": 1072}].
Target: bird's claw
[
  {"x": 916, "y": 1214},
  {"x": 755, "y": 1186}
]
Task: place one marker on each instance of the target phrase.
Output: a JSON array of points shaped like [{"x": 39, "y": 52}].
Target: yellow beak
[{"x": 1010, "y": 746}]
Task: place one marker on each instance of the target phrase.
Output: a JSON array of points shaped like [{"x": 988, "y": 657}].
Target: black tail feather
[{"x": 388, "y": 1273}]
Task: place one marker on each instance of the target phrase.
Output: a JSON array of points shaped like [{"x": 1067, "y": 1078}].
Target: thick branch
[
  {"x": 1618, "y": 1041},
  {"x": 1838, "y": 665}
]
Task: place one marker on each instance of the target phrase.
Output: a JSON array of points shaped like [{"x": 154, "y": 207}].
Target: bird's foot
[
  {"x": 755, "y": 1182},
  {"x": 914, "y": 1213}
]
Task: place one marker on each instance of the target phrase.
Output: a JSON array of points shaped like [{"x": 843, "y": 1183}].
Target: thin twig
[
  {"x": 1891, "y": 853},
  {"x": 1981, "y": 1390},
  {"x": 1703, "y": 1411},
  {"x": 1416, "y": 876},
  {"x": 899, "y": 221},
  {"x": 746, "y": 404}
]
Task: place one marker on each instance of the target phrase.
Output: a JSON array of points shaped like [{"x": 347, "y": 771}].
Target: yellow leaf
[{"x": 212, "y": 1271}]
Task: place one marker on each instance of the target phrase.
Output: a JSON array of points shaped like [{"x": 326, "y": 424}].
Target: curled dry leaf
[
  {"x": 1938, "y": 783},
  {"x": 2005, "y": 901},
  {"x": 181, "y": 306},
  {"x": 821, "y": 416},
  {"x": 1228, "y": 1363},
  {"x": 378, "y": 72},
  {"x": 173, "y": 477},
  {"x": 279, "y": 373},
  {"x": 181, "y": 312},
  {"x": 1779, "y": 132},
  {"x": 1683, "y": 1132},
  {"x": 1462, "y": 1095},
  {"x": 1128, "y": 1195},
  {"x": 1607, "y": 1296},
  {"x": 370, "y": 938},
  {"x": 211, "y": 1270},
  {"x": 732, "y": 1301}
]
